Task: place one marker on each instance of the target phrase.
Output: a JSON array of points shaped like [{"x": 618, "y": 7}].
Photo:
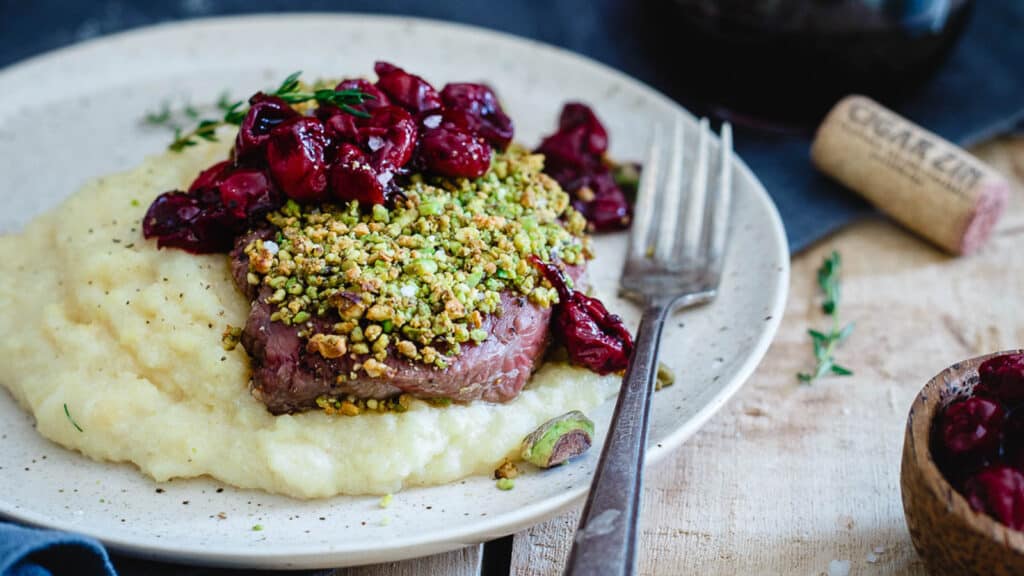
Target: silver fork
[{"x": 674, "y": 261}]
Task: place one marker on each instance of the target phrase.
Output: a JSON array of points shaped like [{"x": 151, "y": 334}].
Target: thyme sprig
[
  {"x": 825, "y": 343},
  {"x": 233, "y": 112},
  {"x": 72, "y": 420}
]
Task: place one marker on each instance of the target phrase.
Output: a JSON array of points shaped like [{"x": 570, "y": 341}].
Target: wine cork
[{"x": 926, "y": 183}]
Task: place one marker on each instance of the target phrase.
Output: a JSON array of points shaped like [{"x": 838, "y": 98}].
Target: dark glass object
[{"x": 784, "y": 63}]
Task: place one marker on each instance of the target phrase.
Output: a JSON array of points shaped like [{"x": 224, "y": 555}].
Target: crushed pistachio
[
  {"x": 386, "y": 500},
  {"x": 419, "y": 279},
  {"x": 507, "y": 469},
  {"x": 505, "y": 484},
  {"x": 257, "y": 527},
  {"x": 352, "y": 406},
  {"x": 328, "y": 345},
  {"x": 665, "y": 377},
  {"x": 231, "y": 337}
]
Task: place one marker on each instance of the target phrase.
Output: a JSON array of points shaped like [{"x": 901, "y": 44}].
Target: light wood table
[{"x": 788, "y": 478}]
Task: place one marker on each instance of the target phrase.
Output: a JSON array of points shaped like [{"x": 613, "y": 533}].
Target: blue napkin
[{"x": 32, "y": 552}]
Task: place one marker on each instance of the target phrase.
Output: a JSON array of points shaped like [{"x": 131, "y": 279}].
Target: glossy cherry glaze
[
  {"x": 978, "y": 441},
  {"x": 595, "y": 338},
  {"x": 575, "y": 157}
]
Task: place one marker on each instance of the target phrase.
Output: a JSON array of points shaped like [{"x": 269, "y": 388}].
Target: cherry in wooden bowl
[{"x": 950, "y": 536}]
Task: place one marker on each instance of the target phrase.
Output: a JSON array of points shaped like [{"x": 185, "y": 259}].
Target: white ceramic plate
[{"x": 75, "y": 114}]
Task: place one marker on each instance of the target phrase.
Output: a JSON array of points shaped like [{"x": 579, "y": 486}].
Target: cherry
[
  {"x": 210, "y": 176},
  {"x": 219, "y": 205},
  {"x": 407, "y": 90},
  {"x": 378, "y": 98},
  {"x": 194, "y": 223},
  {"x": 605, "y": 212},
  {"x": 999, "y": 492},
  {"x": 246, "y": 193},
  {"x": 340, "y": 124},
  {"x": 1002, "y": 378},
  {"x": 475, "y": 108},
  {"x": 579, "y": 117},
  {"x": 574, "y": 157},
  {"x": 972, "y": 426},
  {"x": 594, "y": 338},
  {"x": 453, "y": 152},
  {"x": 389, "y": 135},
  {"x": 295, "y": 156},
  {"x": 353, "y": 178},
  {"x": 265, "y": 113}
]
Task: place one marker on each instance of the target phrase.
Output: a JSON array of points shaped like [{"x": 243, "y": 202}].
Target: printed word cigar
[{"x": 922, "y": 181}]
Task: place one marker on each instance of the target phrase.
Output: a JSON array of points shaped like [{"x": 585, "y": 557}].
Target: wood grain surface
[{"x": 789, "y": 478}]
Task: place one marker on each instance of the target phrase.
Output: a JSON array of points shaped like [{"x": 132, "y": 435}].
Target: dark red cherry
[
  {"x": 480, "y": 112},
  {"x": 1002, "y": 378},
  {"x": 390, "y": 137},
  {"x": 593, "y": 337},
  {"x": 574, "y": 157},
  {"x": 295, "y": 156},
  {"x": 577, "y": 116},
  {"x": 194, "y": 223},
  {"x": 407, "y": 90},
  {"x": 453, "y": 152},
  {"x": 999, "y": 492},
  {"x": 972, "y": 426},
  {"x": 340, "y": 126},
  {"x": 211, "y": 176},
  {"x": 378, "y": 98},
  {"x": 245, "y": 192},
  {"x": 606, "y": 212},
  {"x": 353, "y": 178},
  {"x": 265, "y": 113}
]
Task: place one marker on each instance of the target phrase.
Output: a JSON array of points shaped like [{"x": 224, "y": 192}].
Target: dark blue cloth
[
  {"x": 978, "y": 93},
  {"x": 32, "y": 552}
]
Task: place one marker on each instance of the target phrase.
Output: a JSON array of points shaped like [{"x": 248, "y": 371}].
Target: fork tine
[
  {"x": 723, "y": 200},
  {"x": 639, "y": 236},
  {"x": 693, "y": 215},
  {"x": 671, "y": 192}
]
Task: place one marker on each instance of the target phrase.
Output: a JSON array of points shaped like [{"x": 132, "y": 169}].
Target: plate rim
[{"x": 409, "y": 547}]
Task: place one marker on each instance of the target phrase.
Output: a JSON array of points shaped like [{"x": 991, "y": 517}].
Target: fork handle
[{"x": 606, "y": 540}]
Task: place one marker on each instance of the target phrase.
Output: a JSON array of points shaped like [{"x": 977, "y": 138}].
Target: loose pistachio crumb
[
  {"x": 665, "y": 377},
  {"x": 386, "y": 501},
  {"x": 257, "y": 527},
  {"x": 505, "y": 484},
  {"x": 507, "y": 469},
  {"x": 231, "y": 337},
  {"x": 352, "y": 406}
]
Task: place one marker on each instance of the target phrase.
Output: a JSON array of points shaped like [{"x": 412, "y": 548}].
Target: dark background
[{"x": 978, "y": 93}]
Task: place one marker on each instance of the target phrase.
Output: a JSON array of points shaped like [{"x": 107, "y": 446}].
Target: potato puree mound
[{"x": 94, "y": 317}]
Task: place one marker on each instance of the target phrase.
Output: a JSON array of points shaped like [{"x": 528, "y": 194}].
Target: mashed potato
[{"x": 127, "y": 339}]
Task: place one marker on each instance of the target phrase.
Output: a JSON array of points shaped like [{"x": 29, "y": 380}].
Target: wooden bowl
[{"x": 950, "y": 537}]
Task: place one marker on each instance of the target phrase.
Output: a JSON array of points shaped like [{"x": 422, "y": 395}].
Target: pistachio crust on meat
[{"x": 417, "y": 280}]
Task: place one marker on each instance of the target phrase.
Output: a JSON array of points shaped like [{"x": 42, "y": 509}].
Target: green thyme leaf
[
  {"x": 72, "y": 420},
  {"x": 161, "y": 117},
  {"x": 828, "y": 280},
  {"x": 841, "y": 371},
  {"x": 824, "y": 344},
  {"x": 290, "y": 84},
  {"x": 235, "y": 111}
]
